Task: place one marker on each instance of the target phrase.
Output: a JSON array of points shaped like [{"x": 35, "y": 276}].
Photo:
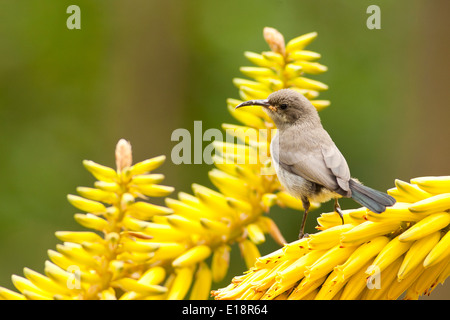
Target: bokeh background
[{"x": 140, "y": 69}]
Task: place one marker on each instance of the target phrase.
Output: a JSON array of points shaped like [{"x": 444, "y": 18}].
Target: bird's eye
[{"x": 283, "y": 106}]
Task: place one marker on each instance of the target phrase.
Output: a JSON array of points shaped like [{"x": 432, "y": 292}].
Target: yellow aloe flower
[
  {"x": 403, "y": 251},
  {"x": 113, "y": 260}
]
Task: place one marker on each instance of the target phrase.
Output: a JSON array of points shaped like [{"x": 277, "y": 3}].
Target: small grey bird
[{"x": 306, "y": 160}]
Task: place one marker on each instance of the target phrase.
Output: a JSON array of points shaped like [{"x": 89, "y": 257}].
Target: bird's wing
[
  {"x": 317, "y": 161},
  {"x": 335, "y": 161}
]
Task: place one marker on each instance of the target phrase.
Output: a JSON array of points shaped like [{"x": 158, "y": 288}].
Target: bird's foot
[
  {"x": 337, "y": 209},
  {"x": 302, "y": 235}
]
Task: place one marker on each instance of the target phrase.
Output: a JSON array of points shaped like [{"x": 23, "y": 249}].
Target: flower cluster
[
  {"x": 115, "y": 260},
  {"x": 404, "y": 250}
]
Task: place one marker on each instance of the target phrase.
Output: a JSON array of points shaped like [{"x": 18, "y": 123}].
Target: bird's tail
[{"x": 373, "y": 200}]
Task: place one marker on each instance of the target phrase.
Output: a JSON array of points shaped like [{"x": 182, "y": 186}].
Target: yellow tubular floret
[
  {"x": 440, "y": 251},
  {"x": 434, "y": 185},
  {"x": 433, "y": 204},
  {"x": 181, "y": 283},
  {"x": 192, "y": 256},
  {"x": 394, "y": 249},
  {"x": 368, "y": 230},
  {"x": 417, "y": 253},
  {"x": 220, "y": 262},
  {"x": 359, "y": 257},
  {"x": 426, "y": 226},
  {"x": 328, "y": 238},
  {"x": 86, "y": 205},
  {"x": 202, "y": 283}
]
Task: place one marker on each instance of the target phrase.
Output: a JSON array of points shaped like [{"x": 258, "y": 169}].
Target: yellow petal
[
  {"x": 257, "y": 72},
  {"x": 168, "y": 251},
  {"x": 86, "y": 205},
  {"x": 394, "y": 249},
  {"x": 410, "y": 191},
  {"x": 255, "y": 233},
  {"x": 435, "y": 185},
  {"x": 295, "y": 271},
  {"x": 77, "y": 254},
  {"x": 320, "y": 104},
  {"x": 147, "y": 178},
  {"x": 140, "y": 246},
  {"x": 356, "y": 283},
  {"x": 186, "y": 225},
  {"x": 367, "y": 231},
  {"x": 300, "y": 42},
  {"x": 23, "y": 285},
  {"x": 145, "y": 211},
  {"x": 146, "y": 166},
  {"x": 215, "y": 226},
  {"x": 99, "y": 171},
  {"x": 6, "y": 294},
  {"x": 327, "y": 262},
  {"x": 183, "y": 209},
  {"x": 220, "y": 262},
  {"x": 359, "y": 258},
  {"x": 257, "y": 59},
  {"x": 192, "y": 256},
  {"x": 249, "y": 252},
  {"x": 181, "y": 283},
  {"x": 247, "y": 93},
  {"x": 417, "y": 253},
  {"x": 107, "y": 186},
  {"x": 128, "y": 284},
  {"x": 328, "y": 238},
  {"x": 202, "y": 284},
  {"x": 78, "y": 236},
  {"x": 440, "y": 252},
  {"x": 274, "y": 57},
  {"x": 306, "y": 83},
  {"x": 228, "y": 184},
  {"x": 311, "y": 67},
  {"x": 304, "y": 55},
  {"x": 238, "y": 82},
  {"x": 434, "y": 204},
  {"x": 154, "y": 190},
  {"x": 97, "y": 195},
  {"x": 426, "y": 226},
  {"x": 154, "y": 275},
  {"x": 44, "y": 282}
]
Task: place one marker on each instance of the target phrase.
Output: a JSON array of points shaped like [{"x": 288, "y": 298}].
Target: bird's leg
[
  {"x": 306, "y": 205},
  {"x": 337, "y": 208}
]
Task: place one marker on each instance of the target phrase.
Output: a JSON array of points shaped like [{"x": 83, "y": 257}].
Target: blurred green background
[{"x": 140, "y": 69}]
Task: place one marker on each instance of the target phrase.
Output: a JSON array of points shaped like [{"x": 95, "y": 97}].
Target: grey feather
[
  {"x": 372, "y": 199},
  {"x": 311, "y": 154}
]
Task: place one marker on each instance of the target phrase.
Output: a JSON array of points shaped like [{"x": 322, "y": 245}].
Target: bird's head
[{"x": 285, "y": 107}]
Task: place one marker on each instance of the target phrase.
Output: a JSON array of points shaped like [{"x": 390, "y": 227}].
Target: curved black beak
[{"x": 262, "y": 102}]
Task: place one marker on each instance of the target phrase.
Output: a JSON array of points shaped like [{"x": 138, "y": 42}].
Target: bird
[{"x": 307, "y": 162}]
